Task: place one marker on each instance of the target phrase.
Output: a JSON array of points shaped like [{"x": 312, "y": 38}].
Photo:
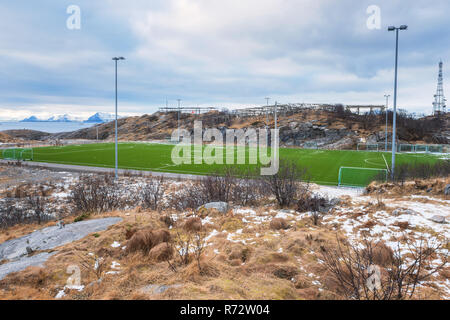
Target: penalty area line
[{"x": 387, "y": 167}]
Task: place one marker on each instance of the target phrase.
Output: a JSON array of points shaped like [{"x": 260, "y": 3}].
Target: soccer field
[{"x": 323, "y": 165}]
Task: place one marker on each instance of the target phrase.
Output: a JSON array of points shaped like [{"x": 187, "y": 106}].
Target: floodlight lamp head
[
  {"x": 391, "y": 28},
  {"x": 403, "y": 27}
]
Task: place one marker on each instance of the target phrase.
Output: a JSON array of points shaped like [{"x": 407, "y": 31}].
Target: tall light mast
[{"x": 439, "y": 98}]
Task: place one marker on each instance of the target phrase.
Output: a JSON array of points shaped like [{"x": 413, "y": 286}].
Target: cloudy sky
[{"x": 222, "y": 53}]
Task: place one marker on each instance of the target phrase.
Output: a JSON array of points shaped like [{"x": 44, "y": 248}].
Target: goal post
[
  {"x": 18, "y": 154},
  {"x": 360, "y": 177},
  {"x": 367, "y": 147},
  {"x": 372, "y": 147}
]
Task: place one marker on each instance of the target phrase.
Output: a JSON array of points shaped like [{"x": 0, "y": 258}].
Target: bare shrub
[
  {"x": 218, "y": 187},
  {"x": 95, "y": 194},
  {"x": 311, "y": 203},
  {"x": 94, "y": 264},
  {"x": 249, "y": 188},
  {"x": 31, "y": 209},
  {"x": 232, "y": 184},
  {"x": 37, "y": 205},
  {"x": 315, "y": 215},
  {"x": 353, "y": 267},
  {"x": 279, "y": 224},
  {"x": 152, "y": 193},
  {"x": 190, "y": 242},
  {"x": 284, "y": 185},
  {"x": 191, "y": 196}
]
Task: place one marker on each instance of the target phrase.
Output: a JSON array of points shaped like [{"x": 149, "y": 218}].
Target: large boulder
[
  {"x": 222, "y": 207},
  {"x": 438, "y": 219}
]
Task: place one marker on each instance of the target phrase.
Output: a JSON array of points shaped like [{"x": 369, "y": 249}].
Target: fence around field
[
  {"x": 411, "y": 148},
  {"x": 49, "y": 143}
]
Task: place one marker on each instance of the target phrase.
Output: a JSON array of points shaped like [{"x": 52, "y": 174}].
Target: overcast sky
[{"x": 222, "y": 53}]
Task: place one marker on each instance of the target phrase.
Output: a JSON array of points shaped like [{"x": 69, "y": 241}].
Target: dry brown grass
[
  {"x": 274, "y": 265},
  {"x": 279, "y": 224},
  {"x": 417, "y": 187},
  {"x": 193, "y": 224},
  {"x": 144, "y": 240}
]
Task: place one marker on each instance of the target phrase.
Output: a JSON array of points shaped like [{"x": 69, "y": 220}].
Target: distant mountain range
[{"x": 99, "y": 117}]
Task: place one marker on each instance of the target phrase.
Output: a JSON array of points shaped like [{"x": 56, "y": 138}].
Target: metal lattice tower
[{"x": 439, "y": 99}]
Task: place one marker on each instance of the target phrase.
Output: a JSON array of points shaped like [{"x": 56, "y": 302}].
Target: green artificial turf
[{"x": 323, "y": 165}]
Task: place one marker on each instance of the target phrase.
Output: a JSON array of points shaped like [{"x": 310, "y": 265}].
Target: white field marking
[
  {"x": 78, "y": 151},
  {"x": 372, "y": 163},
  {"x": 387, "y": 167}
]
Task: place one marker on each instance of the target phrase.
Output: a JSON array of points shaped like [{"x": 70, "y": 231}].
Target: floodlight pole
[
  {"x": 178, "y": 119},
  {"x": 267, "y": 109},
  {"x": 116, "y": 142},
  {"x": 394, "y": 126},
  {"x": 276, "y": 120},
  {"x": 386, "y": 110}
]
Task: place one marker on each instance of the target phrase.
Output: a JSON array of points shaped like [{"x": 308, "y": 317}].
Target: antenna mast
[{"x": 439, "y": 98}]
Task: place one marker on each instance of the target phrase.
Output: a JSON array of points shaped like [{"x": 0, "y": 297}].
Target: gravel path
[{"x": 45, "y": 239}]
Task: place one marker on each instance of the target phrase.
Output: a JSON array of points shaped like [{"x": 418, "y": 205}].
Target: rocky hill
[
  {"x": 326, "y": 128},
  {"x": 329, "y": 129}
]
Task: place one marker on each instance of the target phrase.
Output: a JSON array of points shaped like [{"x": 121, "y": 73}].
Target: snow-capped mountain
[
  {"x": 99, "y": 117},
  {"x": 64, "y": 118},
  {"x": 31, "y": 119}
]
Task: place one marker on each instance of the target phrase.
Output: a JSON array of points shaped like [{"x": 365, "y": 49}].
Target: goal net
[
  {"x": 367, "y": 147},
  {"x": 372, "y": 147},
  {"x": 17, "y": 154},
  {"x": 360, "y": 177}
]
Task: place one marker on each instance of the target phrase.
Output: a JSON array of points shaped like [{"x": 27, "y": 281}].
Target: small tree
[
  {"x": 353, "y": 267},
  {"x": 37, "y": 205},
  {"x": 152, "y": 193},
  {"x": 284, "y": 185}
]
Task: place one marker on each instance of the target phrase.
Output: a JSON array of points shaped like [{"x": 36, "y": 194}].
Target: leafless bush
[
  {"x": 95, "y": 194},
  {"x": 10, "y": 214},
  {"x": 37, "y": 205},
  {"x": 249, "y": 188},
  {"x": 353, "y": 267},
  {"x": 218, "y": 187},
  {"x": 316, "y": 215},
  {"x": 152, "y": 193},
  {"x": 191, "y": 196},
  {"x": 285, "y": 184},
  {"x": 311, "y": 203},
  {"x": 94, "y": 264},
  {"x": 190, "y": 242},
  {"x": 31, "y": 209}
]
